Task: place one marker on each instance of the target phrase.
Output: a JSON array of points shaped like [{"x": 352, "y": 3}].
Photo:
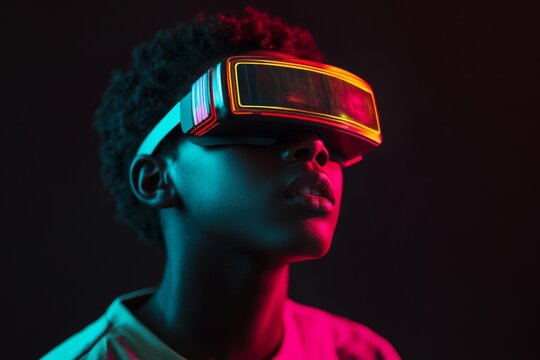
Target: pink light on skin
[
  {"x": 241, "y": 301},
  {"x": 313, "y": 334}
]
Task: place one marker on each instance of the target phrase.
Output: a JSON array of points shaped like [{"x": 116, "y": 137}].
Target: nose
[{"x": 305, "y": 146}]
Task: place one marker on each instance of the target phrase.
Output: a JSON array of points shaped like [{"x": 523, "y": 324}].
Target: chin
[
  {"x": 313, "y": 241},
  {"x": 298, "y": 240}
]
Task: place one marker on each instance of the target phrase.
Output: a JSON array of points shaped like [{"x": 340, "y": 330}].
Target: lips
[{"x": 312, "y": 184}]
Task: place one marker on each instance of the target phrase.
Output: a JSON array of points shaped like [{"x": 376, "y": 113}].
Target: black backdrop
[{"x": 437, "y": 247}]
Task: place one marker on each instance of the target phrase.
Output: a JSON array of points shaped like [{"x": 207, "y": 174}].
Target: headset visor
[
  {"x": 324, "y": 94},
  {"x": 256, "y": 99}
]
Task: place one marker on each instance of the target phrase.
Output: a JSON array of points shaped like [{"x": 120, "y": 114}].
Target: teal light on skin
[{"x": 230, "y": 234}]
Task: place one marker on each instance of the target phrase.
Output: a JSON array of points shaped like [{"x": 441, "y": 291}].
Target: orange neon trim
[
  {"x": 238, "y": 108},
  {"x": 375, "y": 140}
]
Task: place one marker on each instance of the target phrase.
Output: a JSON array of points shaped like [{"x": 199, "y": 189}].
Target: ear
[{"x": 150, "y": 183}]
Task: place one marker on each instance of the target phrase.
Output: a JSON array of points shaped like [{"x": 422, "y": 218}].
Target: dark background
[{"x": 437, "y": 247}]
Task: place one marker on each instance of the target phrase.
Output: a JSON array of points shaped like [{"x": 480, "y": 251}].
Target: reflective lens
[{"x": 314, "y": 93}]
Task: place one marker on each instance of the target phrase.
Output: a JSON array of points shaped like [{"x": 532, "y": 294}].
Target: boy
[{"x": 234, "y": 197}]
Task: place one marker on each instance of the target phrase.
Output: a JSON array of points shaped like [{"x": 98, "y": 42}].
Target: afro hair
[{"x": 160, "y": 74}]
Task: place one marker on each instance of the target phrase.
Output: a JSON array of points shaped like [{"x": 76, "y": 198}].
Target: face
[{"x": 280, "y": 200}]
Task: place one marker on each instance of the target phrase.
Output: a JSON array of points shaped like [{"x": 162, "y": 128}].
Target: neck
[{"x": 216, "y": 303}]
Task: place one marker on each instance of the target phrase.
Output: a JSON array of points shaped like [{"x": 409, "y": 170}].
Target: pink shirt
[{"x": 310, "y": 333}]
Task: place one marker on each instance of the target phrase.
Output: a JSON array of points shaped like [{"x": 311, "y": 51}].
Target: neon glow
[
  {"x": 351, "y": 102},
  {"x": 199, "y": 100},
  {"x": 324, "y": 96},
  {"x": 217, "y": 89},
  {"x": 207, "y": 119}
]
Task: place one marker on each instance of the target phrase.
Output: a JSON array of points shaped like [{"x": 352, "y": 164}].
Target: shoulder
[
  {"x": 350, "y": 340},
  {"x": 80, "y": 344},
  {"x": 117, "y": 334}
]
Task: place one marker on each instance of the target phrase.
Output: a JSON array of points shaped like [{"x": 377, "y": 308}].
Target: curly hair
[{"x": 161, "y": 72}]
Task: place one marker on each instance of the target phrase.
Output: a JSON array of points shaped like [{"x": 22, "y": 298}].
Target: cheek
[
  {"x": 222, "y": 188},
  {"x": 235, "y": 194}
]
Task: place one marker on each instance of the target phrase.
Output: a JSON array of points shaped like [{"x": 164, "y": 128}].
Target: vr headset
[{"x": 258, "y": 98}]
